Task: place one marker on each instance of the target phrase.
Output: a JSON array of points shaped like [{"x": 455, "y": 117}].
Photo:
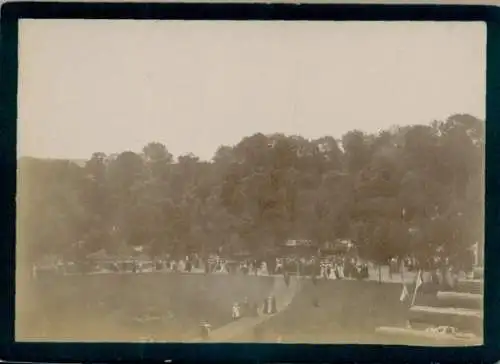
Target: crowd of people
[
  {"x": 439, "y": 270},
  {"x": 337, "y": 267},
  {"x": 440, "y": 273},
  {"x": 333, "y": 267}
]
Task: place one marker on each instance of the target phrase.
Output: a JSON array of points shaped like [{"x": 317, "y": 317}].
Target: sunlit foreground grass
[
  {"x": 169, "y": 308},
  {"x": 347, "y": 311},
  {"x": 131, "y": 307},
  {"x": 343, "y": 312}
]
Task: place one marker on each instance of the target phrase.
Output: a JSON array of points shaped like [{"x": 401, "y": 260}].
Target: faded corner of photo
[{"x": 273, "y": 182}]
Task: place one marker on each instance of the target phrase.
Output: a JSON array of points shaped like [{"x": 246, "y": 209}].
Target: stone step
[
  {"x": 423, "y": 337},
  {"x": 466, "y": 320},
  {"x": 478, "y": 272},
  {"x": 459, "y": 300},
  {"x": 470, "y": 286}
]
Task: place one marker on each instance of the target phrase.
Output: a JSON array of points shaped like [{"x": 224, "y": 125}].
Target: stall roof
[
  {"x": 102, "y": 255},
  {"x": 298, "y": 242}
]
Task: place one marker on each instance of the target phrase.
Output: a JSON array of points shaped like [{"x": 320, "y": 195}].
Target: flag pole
[
  {"x": 404, "y": 294},
  {"x": 416, "y": 287},
  {"x": 402, "y": 267}
]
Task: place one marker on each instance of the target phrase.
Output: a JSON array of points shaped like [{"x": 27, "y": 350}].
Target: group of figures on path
[
  {"x": 248, "y": 309},
  {"x": 244, "y": 309}
]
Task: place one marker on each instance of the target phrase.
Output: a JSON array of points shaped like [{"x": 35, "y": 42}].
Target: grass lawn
[
  {"x": 107, "y": 307},
  {"x": 348, "y": 312}
]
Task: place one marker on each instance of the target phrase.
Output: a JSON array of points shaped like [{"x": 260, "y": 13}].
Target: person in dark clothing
[
  {"x": 255, "y": 310},
  {"x": 337, "y": 272},
  {"x": 271, "y": 266},
  {"x": 435, "y": 278},
  {"x": 365, "y": 271},
  {"x": 245, "y": 307},
  {"x": 273, "y": 305},
  {"x": 287, "y": 279},
  {"x": 265, "y": 307},
  {"x": 188, "y": 266},
  {"x": 348, "y": 270},
  {"x": 158, "y": 265},
  {"x": 435, "y": 284}
]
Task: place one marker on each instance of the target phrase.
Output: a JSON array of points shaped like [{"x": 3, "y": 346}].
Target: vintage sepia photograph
[{"x": 315, "y": 182}]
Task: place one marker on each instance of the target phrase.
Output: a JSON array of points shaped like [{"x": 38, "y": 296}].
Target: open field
[
  {"x": 169, "y": 307},
  {"x": 111, "y": 307},
  {"x": 348, "y": 312}
]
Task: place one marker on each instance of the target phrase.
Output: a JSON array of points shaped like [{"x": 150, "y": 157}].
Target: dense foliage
[{"x": 406, "y": 191}]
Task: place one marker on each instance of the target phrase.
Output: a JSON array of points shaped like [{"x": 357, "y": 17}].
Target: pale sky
[{"x": 108, "y": 86}]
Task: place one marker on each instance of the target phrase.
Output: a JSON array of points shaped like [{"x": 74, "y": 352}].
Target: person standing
[
  {"x": 255, "y": 309},
  {"x": 236, "y": 314},
  {"x": 273, "y": 305},
  {"x": 264, "y": 269},
  {"x": 245, "y": 309},
  {"x": 265, "y": 308},
  {"x": 279, "y": 266},
  {"x": 286, "y": 276},
  {"x": 337, "y": 271}
]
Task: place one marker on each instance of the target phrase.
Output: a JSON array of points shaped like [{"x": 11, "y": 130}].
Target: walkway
[{"x": 284, "y": 296}]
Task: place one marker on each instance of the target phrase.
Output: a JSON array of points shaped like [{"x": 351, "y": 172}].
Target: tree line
[{"x": 406, "y": 191}]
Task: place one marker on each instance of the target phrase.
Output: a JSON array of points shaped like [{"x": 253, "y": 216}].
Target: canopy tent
[
  {"x": 339, "y": 247},
  {"x": 103, "y": 256}
]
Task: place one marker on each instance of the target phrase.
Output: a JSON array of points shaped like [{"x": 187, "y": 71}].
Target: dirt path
[{"x": 284, "y": 296}]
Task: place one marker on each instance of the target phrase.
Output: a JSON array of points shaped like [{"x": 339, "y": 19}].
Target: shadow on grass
[
  {"x": 107, "y": 308},
  {"x": 335, "y": 312}
]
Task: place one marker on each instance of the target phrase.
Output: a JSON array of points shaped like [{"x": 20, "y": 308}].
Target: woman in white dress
[
  {"x": 236, "y": 311},
  {"x": 264, "y": 270}
]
